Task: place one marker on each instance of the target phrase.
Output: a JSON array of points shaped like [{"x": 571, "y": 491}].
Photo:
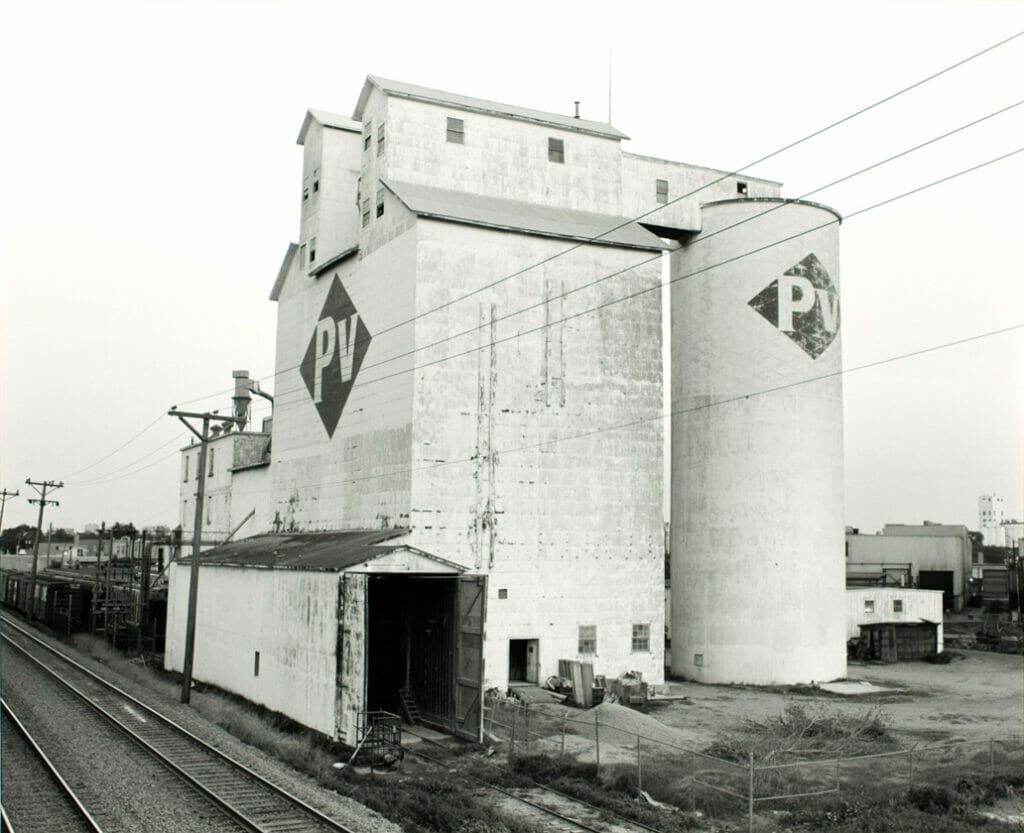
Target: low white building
[{"x": 892, "y": 605}]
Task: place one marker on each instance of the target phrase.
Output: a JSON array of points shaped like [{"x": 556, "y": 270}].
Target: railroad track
[
  {"x": 251, "y": 800},
  {"x": 544, "y": 800},
  {"x": 53, "y": 805}
]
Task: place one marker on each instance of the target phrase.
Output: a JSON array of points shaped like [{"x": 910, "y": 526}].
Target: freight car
[{"x": 58, "y": 603}]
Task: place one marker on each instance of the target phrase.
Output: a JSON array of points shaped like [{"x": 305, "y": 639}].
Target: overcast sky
[{"x": 151, "y": 183}]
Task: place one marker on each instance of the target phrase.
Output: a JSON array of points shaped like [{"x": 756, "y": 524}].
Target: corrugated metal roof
[
  {"x": 480, "y": 105},
  {"x": 306, "y": 550},
  {"x": 328, "y": 120},
  {"x": 528, "y": 217}
]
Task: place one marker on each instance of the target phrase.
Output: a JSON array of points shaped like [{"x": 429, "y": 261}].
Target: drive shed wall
[
  {"x": 917, "y": 605},
  {"x": 290, "y": 617}
]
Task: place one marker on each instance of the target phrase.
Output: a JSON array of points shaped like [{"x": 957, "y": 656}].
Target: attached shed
[{"x": 324, "y": 627}]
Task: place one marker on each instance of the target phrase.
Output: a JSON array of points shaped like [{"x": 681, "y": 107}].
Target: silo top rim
[{"x": 829, "y": 209}]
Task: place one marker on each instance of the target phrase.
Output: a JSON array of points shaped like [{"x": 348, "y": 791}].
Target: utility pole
[
  {"x": 197, "y": 537},
  {"x": 3, "y": 499},
  {"x": 42, "y": 501}
]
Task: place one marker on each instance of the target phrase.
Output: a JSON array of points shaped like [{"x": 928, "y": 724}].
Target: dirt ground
[{"x": 978, "y": 695}]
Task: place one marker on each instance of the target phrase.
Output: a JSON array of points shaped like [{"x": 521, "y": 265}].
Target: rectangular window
[
  {"x": 456, "y": 132},
  {"x": 368, "y": 135},
  {"x": 661, "y": 190},
  {"x": 211, "y": 463},
  {"x": 556, "y": 150},
  {"x": 869, "y": 605},
  {"x": 641, "y": 637},
  {"x": 316, "y": 180},
  {"x": 588, "y": 639},
  {"x": 256, "y": 664},
  {"x": 305, "y": 193},
  {"x": 741, "y": 188},
  {"x": 312, "y": 249},
  {"x": 366, "y": 212},
  {"x": 897, "y": 605},
  {"x": 380, "y": 140},
  {"x": 380, "y": 202}
]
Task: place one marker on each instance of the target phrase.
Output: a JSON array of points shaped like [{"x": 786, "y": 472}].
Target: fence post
[
  {"x": 639, "y": 767},
  {"x": 512, "y": 736},
  {"x": 597, "y": 742},
  {"x": 750, "y": 796},
  {"x": 693, "y": 782}
]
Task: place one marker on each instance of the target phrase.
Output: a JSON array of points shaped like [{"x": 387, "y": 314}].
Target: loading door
[
  {"x": 938, "y": 580},
  {"x": 469, "y": 656}
]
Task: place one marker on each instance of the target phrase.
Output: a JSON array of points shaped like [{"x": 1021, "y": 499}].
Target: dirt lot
[{"x": 978, "y": 695}]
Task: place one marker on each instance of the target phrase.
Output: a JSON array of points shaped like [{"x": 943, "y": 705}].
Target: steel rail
[
  {"x": 64, "y": 785},
  {"x": 186, "y": 740},
  {"x": 554, "y": 813}
]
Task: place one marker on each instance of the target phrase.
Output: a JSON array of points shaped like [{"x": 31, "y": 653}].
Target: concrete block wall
[{"x": 577, "y": 524}]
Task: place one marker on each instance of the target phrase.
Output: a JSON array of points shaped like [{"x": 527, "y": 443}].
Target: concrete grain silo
[{"x": 757, "y": 447}]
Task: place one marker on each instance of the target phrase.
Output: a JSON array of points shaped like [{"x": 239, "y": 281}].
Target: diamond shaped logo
[
  {"x": 334, "y": 355},
  {"x": 803, "y": 304}
]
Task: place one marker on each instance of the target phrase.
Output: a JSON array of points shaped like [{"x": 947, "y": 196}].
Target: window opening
[
  {"x": 368, "y": 135},
  {"x": 380, "y": 202},
  {"x": 741, "y": 188},
  {"x": 312, "y": 249},
  {"x": 661, "y": 190},
  {"x": 897, "y": 605},
  {"x": 211, "y": 462},
  {"x": 869, "y": 605},
  {"x": 456, "y": 132},
  {"x": 641, "y": 637},
  {"x": 316, "y": 180},
  {"x": 587, "y": 639},
  {"x": 556, "y": 150},
  {"x": 366, "y": 211},
  {"x": 380, "y": 140},
  {"x": 503, "y": 593},
  {"x": 256, "y": 664}
]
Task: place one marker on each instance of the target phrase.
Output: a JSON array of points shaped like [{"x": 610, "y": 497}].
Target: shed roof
[
  {"x": 480, "y": 105},
  {"x": 527, "y": 217},
  {"x": 325, "y": 551}
]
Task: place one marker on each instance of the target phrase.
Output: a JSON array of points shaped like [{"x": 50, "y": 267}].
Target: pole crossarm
[{"x": 41, "y": 487}]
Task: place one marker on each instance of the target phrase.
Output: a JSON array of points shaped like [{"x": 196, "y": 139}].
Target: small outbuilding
[{"x": 894, "y": 623}]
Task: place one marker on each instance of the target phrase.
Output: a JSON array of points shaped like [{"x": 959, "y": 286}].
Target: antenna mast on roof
[{"x": 609, "y": 85}]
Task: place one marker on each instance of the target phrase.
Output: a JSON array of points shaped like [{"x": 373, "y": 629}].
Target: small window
[
  {"x": 897, "y": 605},
  {"x": 741, "y": 188},
  {"x": 503, "y": 593},
  {"x": 316, "y": 180},
  {"x": 641, "y": 637},
  {"x": 556, "y": 150},
  {"x": 312, "y": 249},
  {"x": 380, "y": 202},
  {"x": 456, "y": 132},
  {"x": 256, "y": 664},
  {"x": 869, "y": 605},
  {"x": 588, "y": 639},
  {"x": 367, "y": 136},
  {"x": 380, "y": 140},
  {"x": 209, "y": 506},
  {"x": 211, "y": 462},
  {"x": 661, "y": 190},
  {"x": 366, "y": 212},
  {"x": 305, "y": 193}
]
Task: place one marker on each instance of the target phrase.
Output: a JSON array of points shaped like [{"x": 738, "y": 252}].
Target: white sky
[{"x": 151, "y": 183}]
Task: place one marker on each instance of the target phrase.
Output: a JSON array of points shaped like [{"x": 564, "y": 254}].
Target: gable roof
[
  {"x": 479, "y": 105},
  {"x": 327, "y": 120},
  {"x": 322, "y": 551},
  {"x": 526, "y": 217}
]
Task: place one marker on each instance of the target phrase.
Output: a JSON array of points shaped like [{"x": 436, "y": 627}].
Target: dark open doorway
[{"x": 522, "y": 660}]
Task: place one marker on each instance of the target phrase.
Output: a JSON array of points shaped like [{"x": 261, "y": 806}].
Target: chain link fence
[{"x": 690, "y": 779}]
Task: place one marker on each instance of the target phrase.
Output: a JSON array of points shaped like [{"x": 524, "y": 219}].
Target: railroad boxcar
[{"x": 58, "y": 603}]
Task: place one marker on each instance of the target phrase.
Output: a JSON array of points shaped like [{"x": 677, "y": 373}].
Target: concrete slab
[{"x": 854, "y": 687}]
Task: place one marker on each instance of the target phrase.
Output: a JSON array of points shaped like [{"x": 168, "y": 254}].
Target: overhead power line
[{"x": 764, "y": 158}]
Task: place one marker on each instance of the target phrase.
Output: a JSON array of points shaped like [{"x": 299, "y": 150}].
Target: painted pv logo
[
  {"x": 803, "y": 304},
  {"x": 334, "y": 355}
]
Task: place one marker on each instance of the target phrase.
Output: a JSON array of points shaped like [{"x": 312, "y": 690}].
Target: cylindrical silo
[{"x": 758, "y": 535}]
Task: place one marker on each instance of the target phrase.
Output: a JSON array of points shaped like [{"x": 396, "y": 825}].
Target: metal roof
[
  {"x": 527, "y": 217},
  {"x": 328, "y": 551},
  {"x": 327, "y": 120},
  {"x": 480, "y": 105}
]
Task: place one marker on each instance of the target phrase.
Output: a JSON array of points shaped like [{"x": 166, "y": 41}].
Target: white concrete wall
[
  {"x": 290, "y": 617},
  {"x": 572, "y": 530},
  {"x": 757, "y": 459},
  {"x": 639, "y": 174},
  {"x": 917, "y": 605},
  {"x": 330, "y": 214}
]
